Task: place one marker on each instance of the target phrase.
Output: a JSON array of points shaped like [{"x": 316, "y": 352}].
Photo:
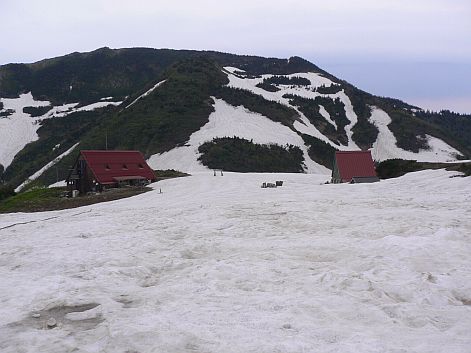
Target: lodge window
[
  {"x": 107, "y": 167},
  {"x": 140, "y": 166},
  {"x": 125, "y": 166}
]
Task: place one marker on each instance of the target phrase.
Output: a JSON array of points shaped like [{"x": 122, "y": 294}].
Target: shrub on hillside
[
  {"x": 37, "y": 111},
  {"x": 6, "y": 191},
  {"x": 284, "y": 80},
  {"x": 240, "y": 155}
]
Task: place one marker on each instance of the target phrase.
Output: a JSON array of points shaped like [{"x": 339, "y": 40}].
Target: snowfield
[
  {"x": 217, "y": 264},
  {"x": 385, "y": 146},
  {"x": 19, "y": 129},
  {"x": 229, "y": 121}
]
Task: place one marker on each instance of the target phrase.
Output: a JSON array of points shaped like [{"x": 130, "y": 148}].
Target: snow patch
[
  {"x": 233, "y": 70},
  {"x": 46, "y": 167},
  {"x": 308, "y": 92},
  {"x": 146, "y": 93},
  {"x": 19, "y": 129},
  {"x": 229, "y": 121},
  {"x": 59, "y": 184},
  {"x": 385, "y": 146}
]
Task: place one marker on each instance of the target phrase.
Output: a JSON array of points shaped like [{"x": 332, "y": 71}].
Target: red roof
[
  {"x": 109, "y": 166},
  {"x": 354, "y": 164}
]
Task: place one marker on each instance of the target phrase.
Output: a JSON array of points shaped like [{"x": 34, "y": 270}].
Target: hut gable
[
  {"x": 95, "y": 170},
  {"x": 351, "y": 166}
]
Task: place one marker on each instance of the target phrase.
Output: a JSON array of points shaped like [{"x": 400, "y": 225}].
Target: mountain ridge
[{"x": 167, "y": 116}]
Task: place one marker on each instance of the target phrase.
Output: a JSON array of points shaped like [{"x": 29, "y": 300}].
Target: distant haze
[{"x": 419, "y": 51}]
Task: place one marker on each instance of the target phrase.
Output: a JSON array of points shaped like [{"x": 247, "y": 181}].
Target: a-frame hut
[
  {"x": 98, "y": 170},
  {"x": 353, "y": 167}
]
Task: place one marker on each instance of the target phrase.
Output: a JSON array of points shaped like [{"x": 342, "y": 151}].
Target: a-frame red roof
[
  {"x": 106, "y": 166},
  {"x": 354, "y": 164}
]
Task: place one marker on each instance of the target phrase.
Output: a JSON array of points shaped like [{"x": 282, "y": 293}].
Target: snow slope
[
  {"x": 46, "y": 167},
  {"x": 229, "y": 121},
  {"x": 316, "y": 80},
  {"x": 217, "y": 264},
  {"x": 385, "y": 146},
  {"x": 19, "y": 129}
]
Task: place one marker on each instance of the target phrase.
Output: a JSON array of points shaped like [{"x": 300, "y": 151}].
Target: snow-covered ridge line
[
  {"x": 158, "y": 84},
  {"x": 46, "y": 167}
]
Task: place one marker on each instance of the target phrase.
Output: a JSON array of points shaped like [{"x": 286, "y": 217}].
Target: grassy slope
[
  {"x": 50, "y": 199},
  {"x": 160, "y": 121}
]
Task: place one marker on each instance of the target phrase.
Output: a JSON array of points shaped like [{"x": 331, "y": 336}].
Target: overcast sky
[{"x": 418, "y": 50}]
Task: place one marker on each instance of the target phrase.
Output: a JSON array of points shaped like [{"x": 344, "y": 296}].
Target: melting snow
[
  {"x": 217, "y": 264},
  {"x": 229, "y": 121},
  {"x": 233, "y": 70},
  {"x": 308, "y": 92},
  {"x": 46, "y": 167},
  {"x": 146, "y": 93},
  {"x": 19, "y": 129},
  {"x": 385, "y": 146}
]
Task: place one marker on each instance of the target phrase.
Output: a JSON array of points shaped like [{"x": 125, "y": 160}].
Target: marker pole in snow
[{"x": 214, "y": 173}]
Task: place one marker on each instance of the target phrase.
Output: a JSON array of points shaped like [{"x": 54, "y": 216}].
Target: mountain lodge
[
  {"x": 353, "y": 167},
  {"x": 96, "y": 171}
]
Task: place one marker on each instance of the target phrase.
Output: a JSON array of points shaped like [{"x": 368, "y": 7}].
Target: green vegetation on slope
[
  {"x": 289, "y": 81},
  {"x": 393, "y": 168},
  {"x": 267, "y": 87},
  {"x": 6, "y": 191},
  {"x": 56, "y": 135},
  {"x": 335, "y": 108},
  {"x": 365, "y": 133},
  {"x": 87, "y": 77},
  {"x": 459, "y": 125},
  {"x": 160, "y": 121},
  {"x": 49, "y": 199},
  {"x": 240, "y": 155},
  {"x": 256, "y": 103},
  {"x": 169, "y": 115},
  {"x": 332, "y": 89},
  {"x": 319, "y": 151},
  {"x": 37, "y": 111}
]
